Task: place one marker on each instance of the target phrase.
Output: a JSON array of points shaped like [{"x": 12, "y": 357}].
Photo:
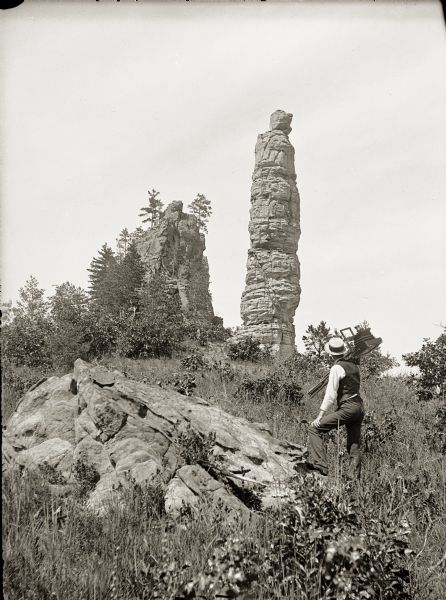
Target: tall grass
[{"x": 54, "y": 547}]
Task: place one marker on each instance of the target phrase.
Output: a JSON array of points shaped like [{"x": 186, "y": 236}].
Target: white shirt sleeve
[{"x": 331, "y": 393}]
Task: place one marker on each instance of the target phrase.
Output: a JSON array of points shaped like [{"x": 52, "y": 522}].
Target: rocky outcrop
[
  {"x": 113, "y": 430},
  {"x": 272, "y": 290},
  {"x": 175, "y": 247}
]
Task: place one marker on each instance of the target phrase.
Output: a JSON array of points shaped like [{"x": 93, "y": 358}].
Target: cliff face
[
  {"x": 272, "y": 290},
  {"x": 175, "y": 247}
]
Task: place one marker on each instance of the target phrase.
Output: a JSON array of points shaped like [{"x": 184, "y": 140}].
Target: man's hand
[{"x": 317, "y": 420}]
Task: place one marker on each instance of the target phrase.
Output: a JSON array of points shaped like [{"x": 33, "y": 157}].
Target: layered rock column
[
  {"x": 272, "y": 290},
  {"x": 175, "y": 247}
]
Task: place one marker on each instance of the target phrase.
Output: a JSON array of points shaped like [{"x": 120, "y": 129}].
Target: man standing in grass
[{"x": 342, "y": 388}]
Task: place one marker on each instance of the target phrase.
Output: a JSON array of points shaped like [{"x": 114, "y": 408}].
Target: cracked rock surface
[
  {"x": 272, "y": 290},
  {"x": 127, "y": 431}
]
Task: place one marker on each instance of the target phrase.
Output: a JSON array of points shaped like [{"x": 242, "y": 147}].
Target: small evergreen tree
[
  {"x": 136, "y": 235},
  {"x": 104, "y": 286},
  {"x": 152, "y": 212},
  {"x": 122, "y": 243},
  {"x": 201, "y": 208},
  {"x": 130, "y": 274}
]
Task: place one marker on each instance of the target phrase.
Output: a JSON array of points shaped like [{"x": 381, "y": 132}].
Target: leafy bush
[
  {"x": 194, "y": 361},
  {"x": 204, "y": 330},
  {"x": 271, "y": 387},
  {"x": 233, "y": 568},
  {"x": 25, "y": 336},
  {"x": 148, "y": 337},
  {"x": 86, "y": 475},
  {"x": 184, "y": 383},
  {"x": 431, "y": 362},
  {"x": 224, "y": 370},
  {"x": 374, "y": 434},
  {"x": 325, "y": 550},
  {"x": 248, "y": 349},
  {"x": 375, "y": 363},
  {"x": 303, "y": 368},
  {"x": 196, "y": 448},
  {"x": 317, "y": 544},
  {"x": 51, "y": 474}
]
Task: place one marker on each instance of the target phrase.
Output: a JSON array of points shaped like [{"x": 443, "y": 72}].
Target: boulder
[{"x": 117, "y": 431}]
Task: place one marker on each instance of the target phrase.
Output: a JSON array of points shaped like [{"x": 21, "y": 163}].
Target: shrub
[
  {"x": 51, "y": 474},
  {"x": 437, "y": 433},
  {"x": 194, "y": 361},
  {"x": 86, "y": 475},
  {"x": 374, "y": 434},
  {"x": 248, "y": 349},
  {"x": 431, "y": 362},
  {"x": 205, "y": 331},
  {"x": 276, "y": 386},
  {"x": 303, "y": 368},
  {"x": 326, "y": 551},
  {"x": 149, "y": 337},
  {"x": 184, "y": 383},
  {"x": 375, "y": 363},
  {"x": 224, "y": 370},
  {"x": 16, "y": 381},
  {"x": 196, "y": 448},
  {"x": 318, "y": 545}
]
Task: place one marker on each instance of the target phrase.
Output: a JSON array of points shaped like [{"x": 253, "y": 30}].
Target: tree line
[{"x": 121, "y": 313}]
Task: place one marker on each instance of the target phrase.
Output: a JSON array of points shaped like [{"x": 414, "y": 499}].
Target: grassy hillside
[{"x": 384, "y": 539}]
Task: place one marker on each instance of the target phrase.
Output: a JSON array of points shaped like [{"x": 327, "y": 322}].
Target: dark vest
[{"x": 348, "y": 385}]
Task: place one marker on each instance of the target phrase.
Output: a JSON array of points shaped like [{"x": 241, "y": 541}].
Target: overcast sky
[{"x": 101, "y": 101}]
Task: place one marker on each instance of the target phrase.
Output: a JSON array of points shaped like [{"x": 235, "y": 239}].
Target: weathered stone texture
[
  {"x": 272, "y": 290},
  {"x": 139, "y": 440},
  {"x": 175, "y": 247}
]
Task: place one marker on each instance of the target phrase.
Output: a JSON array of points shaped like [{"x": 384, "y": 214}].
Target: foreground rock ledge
[{"x": 128, "y": 431}]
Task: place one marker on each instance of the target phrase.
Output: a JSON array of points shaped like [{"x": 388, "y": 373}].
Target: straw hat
[{"x": 336, "y": 347}]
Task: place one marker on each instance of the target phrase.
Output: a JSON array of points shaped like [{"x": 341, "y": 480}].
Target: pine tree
[
  {"x": 136, "y": 235},
  {"x": 130, "y": 278},
  {"x": 152, "y": 212},
  {"x": 122, "y": 243},
  {"x": 201, "y": 208},
  {"x": 102, "y": 275}
]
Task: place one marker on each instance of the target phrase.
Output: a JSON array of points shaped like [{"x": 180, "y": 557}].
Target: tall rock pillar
[{"x": 272, "y": 290}]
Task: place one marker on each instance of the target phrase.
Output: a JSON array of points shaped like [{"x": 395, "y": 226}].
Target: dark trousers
[{"x": 350, "y": 412}]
